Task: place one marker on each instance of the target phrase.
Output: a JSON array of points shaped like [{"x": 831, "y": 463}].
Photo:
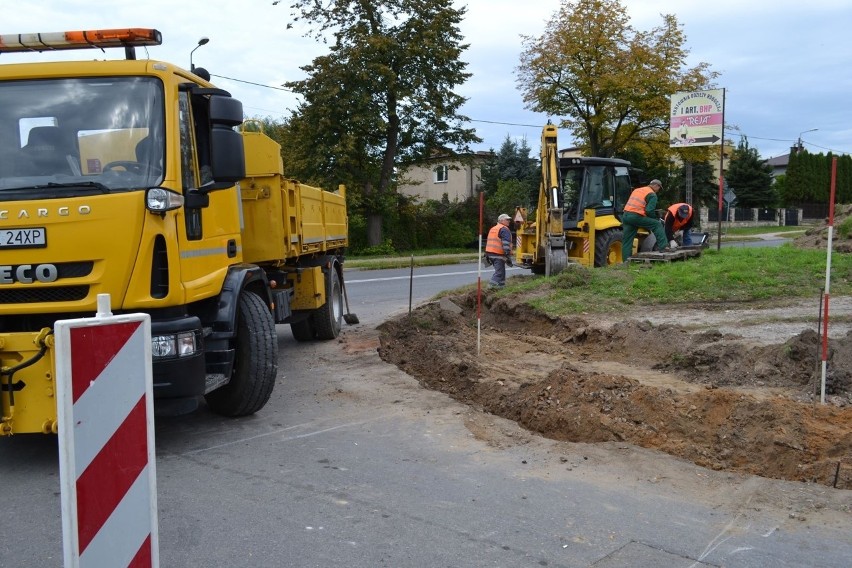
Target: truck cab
[{"x": 128, "y": 177}]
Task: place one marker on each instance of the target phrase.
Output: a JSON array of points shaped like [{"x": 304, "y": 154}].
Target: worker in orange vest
[
  {"x": 678, "y": 218},
  {"x": 640, "y": 211},
  {"x": 498, "y": 249}
]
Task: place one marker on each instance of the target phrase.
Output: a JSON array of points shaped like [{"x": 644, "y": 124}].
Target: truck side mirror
[{"x": 227, "y": 156}]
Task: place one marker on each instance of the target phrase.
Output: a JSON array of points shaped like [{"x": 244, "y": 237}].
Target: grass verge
[{"x": 730, "y": 275}]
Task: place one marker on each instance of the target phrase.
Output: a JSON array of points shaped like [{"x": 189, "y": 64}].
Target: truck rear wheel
[
  {"x": 328, "y": 320},
  {"x": 608, "y": 247},
  {"x": 255, "y": 361}
]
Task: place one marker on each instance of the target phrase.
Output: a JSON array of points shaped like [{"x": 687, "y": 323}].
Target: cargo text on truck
[{"x": 138, "y": 179}]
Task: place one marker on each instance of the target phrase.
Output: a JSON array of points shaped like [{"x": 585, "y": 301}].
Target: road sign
[{"x": 106, "y": 441}]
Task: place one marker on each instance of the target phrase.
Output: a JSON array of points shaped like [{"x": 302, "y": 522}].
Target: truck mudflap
[{"x": 28, "y": 383}]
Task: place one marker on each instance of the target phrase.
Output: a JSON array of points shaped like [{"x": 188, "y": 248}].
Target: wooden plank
[{"x": 668, "y": 256}]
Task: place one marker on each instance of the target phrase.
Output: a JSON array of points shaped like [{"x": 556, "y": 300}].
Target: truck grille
[
  {"x": 37, "y": 295},
  {"x": 33, "y": 294}
]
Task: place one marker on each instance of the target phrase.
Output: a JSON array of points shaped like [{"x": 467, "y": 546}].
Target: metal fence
[
  {"x": 767, "y": 214},
  {"x": 813, "y": 210}
]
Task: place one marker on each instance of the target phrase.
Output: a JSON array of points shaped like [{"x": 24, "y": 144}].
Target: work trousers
[
  {"x": 499, "y": 277},
  {"x": 631, "y": 222}
]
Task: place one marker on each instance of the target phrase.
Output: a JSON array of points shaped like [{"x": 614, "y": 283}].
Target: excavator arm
[{"x": 550, "y": 237}]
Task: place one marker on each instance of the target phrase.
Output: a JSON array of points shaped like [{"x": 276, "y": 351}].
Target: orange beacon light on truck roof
[{"x": 124, "y": 37}]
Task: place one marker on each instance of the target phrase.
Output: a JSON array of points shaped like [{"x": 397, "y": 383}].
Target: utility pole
[{"x": 799, "y": 146}]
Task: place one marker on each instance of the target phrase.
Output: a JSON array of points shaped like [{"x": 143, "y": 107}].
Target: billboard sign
[{"x": 697, "y": 118}]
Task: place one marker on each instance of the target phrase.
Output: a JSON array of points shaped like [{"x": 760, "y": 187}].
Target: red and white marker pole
[
  {"x": 107, "y": 461},
  {"x": 827, "y": 280}
]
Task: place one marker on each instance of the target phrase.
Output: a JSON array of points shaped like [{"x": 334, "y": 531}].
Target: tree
[
  {"x": 512, "y": 163},
  {"x": 808, "y": 179},
  {"x": 509, "y": 194},
  {"x": 610, "y": 82},
  {"x": 705, "y": 186},
  {"x": 384, "y": 94},
  {"x": 750, "y": 177}
]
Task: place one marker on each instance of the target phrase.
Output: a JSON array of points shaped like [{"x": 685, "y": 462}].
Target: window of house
[{"x": 442, "y": 174}]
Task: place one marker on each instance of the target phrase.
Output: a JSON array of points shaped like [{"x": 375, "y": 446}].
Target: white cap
[{"x": 503, "y": 217}]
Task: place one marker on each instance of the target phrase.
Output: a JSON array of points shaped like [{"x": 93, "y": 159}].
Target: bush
[{"x": 384, "y": 249}]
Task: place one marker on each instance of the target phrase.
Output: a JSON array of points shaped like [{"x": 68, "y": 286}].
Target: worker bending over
[{"x": 678, "y": 218}]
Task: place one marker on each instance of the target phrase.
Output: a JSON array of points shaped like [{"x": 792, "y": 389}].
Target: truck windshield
[{"x": 102, "y": 133}]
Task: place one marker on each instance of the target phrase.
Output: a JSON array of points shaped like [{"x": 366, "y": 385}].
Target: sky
[{"x": 785, "y": 65}]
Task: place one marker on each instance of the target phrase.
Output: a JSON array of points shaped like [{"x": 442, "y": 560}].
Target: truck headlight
[
  {"x": 174, "y": 345},
  {"x": 160, "y": 200}
]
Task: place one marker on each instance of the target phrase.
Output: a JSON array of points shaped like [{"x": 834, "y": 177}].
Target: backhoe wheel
[
  {"x": 608, "y": 247},
  {"x": 328, "y": 320},
  {"x": 255, "y": 361}
]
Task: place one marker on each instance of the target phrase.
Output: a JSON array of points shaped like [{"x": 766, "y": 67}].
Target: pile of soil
[
  {"x": 724, "y": 393},
  {"x": 817, "y": 236}
]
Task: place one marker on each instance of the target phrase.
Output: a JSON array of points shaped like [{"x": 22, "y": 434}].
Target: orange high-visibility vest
[
  {"x": 638, "y": 200},
  {"x": 678, "y": 222},
  {"x": 494, "y": 244}
]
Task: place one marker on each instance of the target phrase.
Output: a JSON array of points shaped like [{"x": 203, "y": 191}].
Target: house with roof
[
  {"x": 779, "y": 165},
  {"x": 455, "y": 176}
]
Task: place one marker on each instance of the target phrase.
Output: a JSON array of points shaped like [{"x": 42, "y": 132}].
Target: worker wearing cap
[
  {"x": 678, "y": 218},
  {"x": 640, "y": 211},
  {"x": 498, "y": 249}
]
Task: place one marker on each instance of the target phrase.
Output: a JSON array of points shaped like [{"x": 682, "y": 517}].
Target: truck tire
[
  {"x": 303, "y": 330},
  {"x": 328, "y": 320},
  {"x": 608, "y": 247},
  {"x": 255, "y": 361}
]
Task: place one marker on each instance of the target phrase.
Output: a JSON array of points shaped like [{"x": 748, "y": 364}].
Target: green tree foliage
[
  {"x": 808, "y": 179},
  {"x": 750, "y": 178},
  {"x": 512, "y": 163},
  {"x": 428, "y": 225},
  {"x": 510, "y": 194},
  {"x": 384, "y": 94},
  {"x": 609, "y": 82},
  {"x": 705, "y": 184}
]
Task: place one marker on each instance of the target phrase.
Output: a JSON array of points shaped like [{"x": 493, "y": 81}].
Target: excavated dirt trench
[{"x": 732, "y": 387}]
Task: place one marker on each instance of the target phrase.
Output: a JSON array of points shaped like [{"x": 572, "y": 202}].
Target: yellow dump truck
[{"x": 134, "y": 178}]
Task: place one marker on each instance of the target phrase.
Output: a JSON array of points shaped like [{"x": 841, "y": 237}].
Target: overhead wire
[{"x": 727, "y": 130}]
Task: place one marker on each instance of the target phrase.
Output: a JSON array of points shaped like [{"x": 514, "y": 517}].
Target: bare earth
[{"x": 729, "y": 387}]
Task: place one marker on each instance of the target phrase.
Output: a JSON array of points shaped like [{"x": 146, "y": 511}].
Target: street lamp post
[
  {"x": 202, "y": 41},
  {"x": 799, "y": 143}
]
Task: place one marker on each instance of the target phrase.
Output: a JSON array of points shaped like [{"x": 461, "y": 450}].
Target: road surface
[{"x": 353, "y": 464}]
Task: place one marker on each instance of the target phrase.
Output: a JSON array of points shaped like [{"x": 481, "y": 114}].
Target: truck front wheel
[{"x": 255, "y": 361}]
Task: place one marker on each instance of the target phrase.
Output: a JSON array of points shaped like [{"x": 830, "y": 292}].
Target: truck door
[{"x": 211, "y": 219}]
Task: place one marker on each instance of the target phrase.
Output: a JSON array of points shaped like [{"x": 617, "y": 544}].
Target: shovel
[{"x": 348, "y": 317}]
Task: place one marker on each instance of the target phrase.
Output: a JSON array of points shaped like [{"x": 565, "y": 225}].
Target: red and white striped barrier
[{"x": 106, "y": 440}]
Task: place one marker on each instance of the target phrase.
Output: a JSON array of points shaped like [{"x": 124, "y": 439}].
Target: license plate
[{"x": 32, "y": 237}]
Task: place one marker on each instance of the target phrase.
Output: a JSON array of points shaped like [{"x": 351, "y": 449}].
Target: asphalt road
[{"x": 353, "y": 464}]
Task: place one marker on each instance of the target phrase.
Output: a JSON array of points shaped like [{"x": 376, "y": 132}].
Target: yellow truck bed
[{"x": 285, "y": 219}]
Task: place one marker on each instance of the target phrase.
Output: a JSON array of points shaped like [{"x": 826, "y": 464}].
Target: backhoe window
[
  {"x": 599, "y": 188},
  {"x": 623, "y": 187},
  {"x": 67, "y": 133}
]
